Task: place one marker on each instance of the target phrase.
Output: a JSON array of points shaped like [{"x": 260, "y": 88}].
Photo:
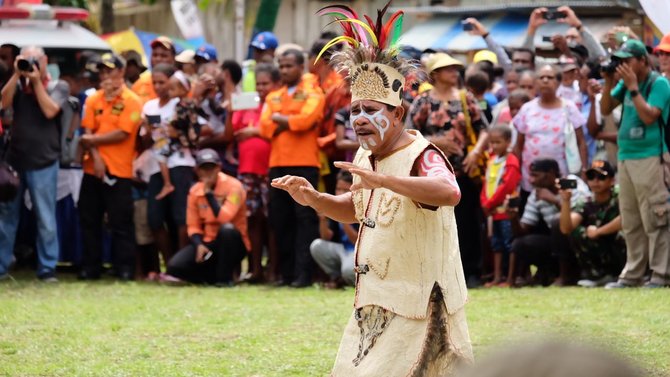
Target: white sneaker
[{"x": 586, "y": 283}]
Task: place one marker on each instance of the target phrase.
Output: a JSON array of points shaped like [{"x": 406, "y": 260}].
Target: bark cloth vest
[{"x": 403, "y": 250}]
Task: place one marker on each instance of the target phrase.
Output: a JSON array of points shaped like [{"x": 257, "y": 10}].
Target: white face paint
[
  {"x": 364, "y": 144},
  {"x": 378, "y": 120}
]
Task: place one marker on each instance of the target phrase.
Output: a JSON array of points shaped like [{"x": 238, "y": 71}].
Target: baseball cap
[
  {"x": 664, "y": 45},
  {"x": 111, "y": 61},
  {"x": 207, "y": 156},
  {"x": 164, "y": 42},
  {"x": 133, "y": 56},
  {"x": 632, "y": 48},
  {"x": 441, "y": 60},
  {"x": 186, "y": 56},
  {"x": 485, "y": 55},
  {"x": 207, "y": 53},
  {"x": 603, "y": 167},
  {"x": 265, "y": 41},
  {"x": 567, "y": 63}
]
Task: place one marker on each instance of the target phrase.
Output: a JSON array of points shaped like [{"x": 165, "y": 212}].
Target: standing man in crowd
[
  {"x": 33, "y": 151},
  {"x": 643, "y": 197},
  {"x": 162, "y": 51},
  {"x": 111, "y": 122},
  {"x": 289, "y": 120}
]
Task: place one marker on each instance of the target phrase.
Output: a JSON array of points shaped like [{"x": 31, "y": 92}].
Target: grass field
[{"x": 144, "y": 329}]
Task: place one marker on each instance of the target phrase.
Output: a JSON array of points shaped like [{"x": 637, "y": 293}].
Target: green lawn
[{"x": 143, "y": 329}]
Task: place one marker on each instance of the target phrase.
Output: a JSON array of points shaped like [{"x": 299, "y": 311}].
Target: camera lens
[{"x": 24, "y": 65}]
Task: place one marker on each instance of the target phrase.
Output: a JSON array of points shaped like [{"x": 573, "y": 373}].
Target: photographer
[
  {"x": 593, "y": 226},
  {"x": 578, "y": 34},
  {"x": 644, "y": 196},
  {"x": 34, "y": 151},
  {"x": 539, "y": 225}
]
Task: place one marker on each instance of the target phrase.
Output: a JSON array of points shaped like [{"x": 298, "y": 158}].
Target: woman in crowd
[{"x": 541, "y": 125}]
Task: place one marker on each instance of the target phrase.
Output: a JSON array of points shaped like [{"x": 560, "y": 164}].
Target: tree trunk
[{"x": 107, "y": 16}]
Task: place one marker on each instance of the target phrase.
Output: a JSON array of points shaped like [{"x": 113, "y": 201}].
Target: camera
[
  {"x": 610, "y": 65},
  {"x": 514, "y": 202},
  {"x": 467, "y": 26},
  {"x": 565, "y": 183},
  {"x": 26, "y": 65},
  {"x": 554, "y": 15}
]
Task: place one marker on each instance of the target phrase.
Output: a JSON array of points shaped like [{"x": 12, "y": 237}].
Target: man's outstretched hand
[
  {"x": 299, "y": 188},
  {"x": 370, "y": 180}
]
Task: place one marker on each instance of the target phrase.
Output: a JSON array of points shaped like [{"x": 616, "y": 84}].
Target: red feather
[{"x": 387, "y": 29}]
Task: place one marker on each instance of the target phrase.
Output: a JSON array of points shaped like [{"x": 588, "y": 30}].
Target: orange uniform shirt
[
  {"x": 230, "y": 194},
  {"x": 102, "y": 116},
  {"x": 296, "y": 146},
  {"x": 144, "y": 87}
]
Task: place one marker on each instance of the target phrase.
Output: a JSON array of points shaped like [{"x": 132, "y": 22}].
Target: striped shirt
[{"x": 539, "y": 209}]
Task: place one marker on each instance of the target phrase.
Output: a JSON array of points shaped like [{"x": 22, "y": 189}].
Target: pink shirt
[
  {"x": 544, "y": 133},
  {"x": 255, "y": 151}
]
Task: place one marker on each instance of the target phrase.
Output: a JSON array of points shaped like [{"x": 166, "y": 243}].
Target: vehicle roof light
[{"x": 43, "y": 12}]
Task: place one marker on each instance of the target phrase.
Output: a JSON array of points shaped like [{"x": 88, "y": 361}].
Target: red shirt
[{"x": 255, "y": 151}]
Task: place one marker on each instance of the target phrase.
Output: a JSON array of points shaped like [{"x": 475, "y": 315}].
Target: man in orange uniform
[
  {"x": 111, "y": 122},
  {"x": 216, "y": 216},
  {"x": 289, "y": 119},
  {"x": 162, "y": 51}
]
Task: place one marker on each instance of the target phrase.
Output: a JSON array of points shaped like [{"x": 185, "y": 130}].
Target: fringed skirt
[{"x": 377, "y": 342}]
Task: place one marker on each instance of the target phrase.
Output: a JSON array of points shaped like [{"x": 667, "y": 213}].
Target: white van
[{"x": 55, "y": 29}]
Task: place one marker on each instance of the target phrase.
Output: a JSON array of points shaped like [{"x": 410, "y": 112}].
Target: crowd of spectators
[{"x": 174, "y": 161}]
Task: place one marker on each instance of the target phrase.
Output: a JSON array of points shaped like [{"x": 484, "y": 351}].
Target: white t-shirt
[{"x": 166, "y": 113}]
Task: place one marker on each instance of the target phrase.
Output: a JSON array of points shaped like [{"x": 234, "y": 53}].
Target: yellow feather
[
  {"x": 335, "y": 41},
  {"x": 365, "y": 26}
]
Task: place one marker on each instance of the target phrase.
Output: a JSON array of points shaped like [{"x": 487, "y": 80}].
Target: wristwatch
[{"x": 634, "y": 93}]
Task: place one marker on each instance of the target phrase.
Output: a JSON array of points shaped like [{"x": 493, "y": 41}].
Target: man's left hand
[
  {"x": 370, "y": 180},
  {"x": 546, "y": 195},
  {"x": 87, "y": 141},
  {"x": 628, "y": 76},
  {"x": 35, "y": 76},
  {"x": 570, "y": 17},
  {"x": 592, "y": 232}
]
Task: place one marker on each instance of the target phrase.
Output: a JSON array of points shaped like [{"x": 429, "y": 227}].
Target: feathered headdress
[{"x": 372, "y": 61}]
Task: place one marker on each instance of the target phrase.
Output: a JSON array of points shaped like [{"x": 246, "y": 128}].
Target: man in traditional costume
[{"x": 409, "y": 317}]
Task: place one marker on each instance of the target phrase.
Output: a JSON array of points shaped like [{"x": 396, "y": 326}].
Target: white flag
[
  {"x": 658, "y": 11},
  {"x": 186, "y": 16}
]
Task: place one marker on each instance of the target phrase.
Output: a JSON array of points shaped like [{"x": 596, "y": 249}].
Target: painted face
[{"x": 371, "y": 122}]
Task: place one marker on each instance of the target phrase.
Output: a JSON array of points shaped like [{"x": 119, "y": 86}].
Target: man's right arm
[
  {"x": 8, "y": 91},
  {"x": 611, "y": 94}
]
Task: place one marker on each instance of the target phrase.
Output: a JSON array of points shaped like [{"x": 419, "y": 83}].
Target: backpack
[{"x": 69, "y": 120}]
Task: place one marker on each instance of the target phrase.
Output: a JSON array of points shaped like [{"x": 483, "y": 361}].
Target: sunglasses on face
[{"x": 592, "y": 174}]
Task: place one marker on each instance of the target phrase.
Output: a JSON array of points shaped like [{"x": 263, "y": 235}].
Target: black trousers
[
  {"x": 469, "y": 222},
  {"x": 294, "y": 226},
  {"x": 228, "y": 250},
  {"x": 544, "y": 250},
  {"x": 96, "y": 199}
]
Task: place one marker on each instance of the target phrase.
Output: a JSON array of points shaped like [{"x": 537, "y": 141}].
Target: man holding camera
[
  {"x": 539, "y": 225},
  {"x": 111, "y": 120},
  {"x": 644, "y": 196},
  {"x": 34, "y": 151}
]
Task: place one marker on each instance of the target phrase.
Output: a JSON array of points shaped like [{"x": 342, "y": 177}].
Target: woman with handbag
[{"x": 549, "y": 127}]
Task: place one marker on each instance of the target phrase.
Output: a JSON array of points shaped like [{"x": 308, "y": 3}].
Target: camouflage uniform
[{"x": 605, "y": 255}]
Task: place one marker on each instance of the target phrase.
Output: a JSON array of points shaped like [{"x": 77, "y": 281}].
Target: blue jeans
[{"x": 42, "y": 185}]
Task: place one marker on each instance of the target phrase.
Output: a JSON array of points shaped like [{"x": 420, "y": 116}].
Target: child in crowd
[
  {"x": 478, "y": 83},
  {"x": 183, "y": 129},
  {"x": 503, "y": 175},
  {"x": 334, "y": 251},
  {"x": 515, "y": 100}
]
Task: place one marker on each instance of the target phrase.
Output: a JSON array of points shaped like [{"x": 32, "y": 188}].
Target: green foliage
[
  {"x": 144, "y": 329},
  {"x": 68, "y": 3}
]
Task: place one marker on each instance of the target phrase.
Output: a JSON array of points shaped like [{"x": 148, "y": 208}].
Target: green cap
[{"x": 632, "y": 48}]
